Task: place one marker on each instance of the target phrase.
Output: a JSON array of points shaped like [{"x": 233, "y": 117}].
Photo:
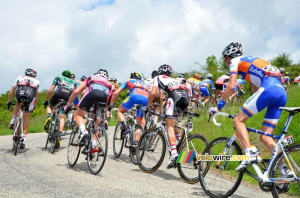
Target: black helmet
[
  {"x": 135, "y": 75},
  {"x": 154, "y": 74},
  {"x": 102, "y": 72},
  {"x": 181, "y": 75},
  {"x": 30, "y": 72},
  {"x": 165, "y": 70},
  {"x": 233, "y": 50}
]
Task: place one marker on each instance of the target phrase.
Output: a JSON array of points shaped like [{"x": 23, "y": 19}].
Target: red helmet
[{"x": 196, "y": 76}]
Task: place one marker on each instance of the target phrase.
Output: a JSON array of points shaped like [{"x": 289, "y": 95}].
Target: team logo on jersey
[{"x": 256, "y": 71}]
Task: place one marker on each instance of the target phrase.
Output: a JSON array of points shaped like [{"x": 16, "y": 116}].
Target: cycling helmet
[
  {"x": 181, "y": 75},
  {"x": 154, "y": 74},
  {"x": 282, "y": 70},
  {"x": 233, "y": 50},
  {"x": 66, "y": 73},
  {"x": 165, "y": 70},
  {"x": 30, "y": 72},
  {"x": 196, "y": 76},
  {"x": 102, "y": 72},
  {"x": 287, "y": 73},
  {"x": 201, "y": 77},
  {"x": 73, "y": 76},
  {"x": 114, "y": 79},
  {"x": 209, "y": 76},
  {"x": 110, "y": 79},
  {"x": 135, "y": 75},
  {"x": 83, "y": 77}
]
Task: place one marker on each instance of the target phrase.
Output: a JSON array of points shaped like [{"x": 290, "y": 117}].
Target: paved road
[{"x": 34, "y": 172}]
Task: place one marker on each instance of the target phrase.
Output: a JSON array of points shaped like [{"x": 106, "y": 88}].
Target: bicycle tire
[
  {"x": 17, "y": 140},
  {"x": 53, "y": 143},
  {"x": 188, "y": 172},
  {"x": 131, "y": 149},
  {"x": 97, "y": 156},
  {"x": 153, "y": 137},
  {"x": 214, "y": 168},
  {"x": 48, "y": 138},
  {"x": 73, "y": 147},
  {"x": 117, "y": 140},
  {"x": 294, "y": 187}
]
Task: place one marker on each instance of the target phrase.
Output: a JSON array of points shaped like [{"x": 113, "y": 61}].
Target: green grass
[{"x": 211, "y": 132}]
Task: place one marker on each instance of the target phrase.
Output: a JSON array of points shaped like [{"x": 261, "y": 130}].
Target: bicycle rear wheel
[
  {"x": 118, "y": 142},
  {"x": 53, "y": 141},
  {"x": 221, "y": 179},
  {"x": 151, "y": 150},
  {"x": 96, "y": 160},
  {"x": 188, "y": 171},
  {"x": 293, "y": 155},
  {"x": 16, "y": 144},
  {"x": 132, "y": 150},
  {"x": 73, "y": 147}
]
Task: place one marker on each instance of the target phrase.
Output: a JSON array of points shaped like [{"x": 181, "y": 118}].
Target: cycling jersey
[
  {"x": 26, "y": 88},
  {"x": 177, "y": 100},
  {"x": 253, "y": 69},
  {"x": 65, "y": 82},
  {"x": 297, "y": 79},
  {"x": 98, "y": 90},
  {"x": 138, "y": 96},
  {"x": 149, "y": 83},
  {"x": 240, "y": 81},
  {"x": 220, "y": 82},
  {"x": 207, "y": 83},
  {"x": 286, "y": 79}
]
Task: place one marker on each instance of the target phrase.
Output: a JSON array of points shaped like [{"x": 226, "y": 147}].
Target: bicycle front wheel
[
  {"x": 188, "y": 170},
  {"x": 16, "y": 142},
  {"x": 96, "y": 160},
  {"x": 73, "y": 147},
  {"x": 118, "y": 142},
  {"x": 293, "y": 165},
  {"x": 221, "y": 179},
  {"x": 151, "y": 150}
]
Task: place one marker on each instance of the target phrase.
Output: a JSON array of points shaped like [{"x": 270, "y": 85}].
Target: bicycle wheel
[
  {"x": 153, "y": 146},
  {"x": 96, "y": 160},
  {"x": 53, "y": 141},
  {"x": 118, "y": 142},
  {"x": 73, "y": 147},
  {"x": 293, "y": 155},
  {"x": 16, "y": 144},
  {"x": 221, "y": 179},
  {"x": 132, "y": 150},
  {"x": 17, "y": 138},
  {"x": 189, "y": 171}
]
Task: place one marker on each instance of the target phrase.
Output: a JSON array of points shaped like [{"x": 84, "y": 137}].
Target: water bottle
[{"x": 128, "y": 143}]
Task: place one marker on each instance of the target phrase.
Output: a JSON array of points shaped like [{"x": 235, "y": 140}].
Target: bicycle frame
[
  {"x": 263, "y": 177},
  {"x": 19, "y": 127}
]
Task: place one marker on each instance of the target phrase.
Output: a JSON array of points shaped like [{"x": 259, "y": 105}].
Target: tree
[
  {"x": 222, "y": 66},
  {"x": 211, "y": 64},
  {"x": 282, "y": 60}
]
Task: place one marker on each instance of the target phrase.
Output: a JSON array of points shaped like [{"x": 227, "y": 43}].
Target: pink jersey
[{"x": 94, "y": 81}]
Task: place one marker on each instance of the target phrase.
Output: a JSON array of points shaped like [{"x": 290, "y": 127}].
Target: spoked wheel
[
  {"x": 221, "y": 179},
  {"x": 151, "y": 150},
  {"x": 118, "y": 142},
  {"x": 48, "y": 139},
  {"x": 293, "y": 167},
  {"x": 53, "y": 141},
  {"x": 132, "y": 150},
  {"x": 193, "y": 105},
  {"x": 96, "y": 160},
  {"x": 16, "y": 142},
  {"x": 73, "y": 147},
  {"x": 188, "y": 170}
]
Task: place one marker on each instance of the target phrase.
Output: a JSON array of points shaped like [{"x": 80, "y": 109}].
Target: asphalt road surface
[{"x": 35, "y": 172}]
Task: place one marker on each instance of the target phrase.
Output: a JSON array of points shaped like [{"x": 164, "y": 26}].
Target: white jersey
[
  {"x": 167, "y": 84},
  {"x": 27, "y": 80},
  {"x": 149, "y": 83}
]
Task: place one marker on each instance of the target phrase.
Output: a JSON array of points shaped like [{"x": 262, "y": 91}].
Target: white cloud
[{"x": 132, "y": 35}]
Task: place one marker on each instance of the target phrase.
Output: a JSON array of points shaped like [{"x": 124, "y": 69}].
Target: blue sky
[{"x": 124, "y": 36}]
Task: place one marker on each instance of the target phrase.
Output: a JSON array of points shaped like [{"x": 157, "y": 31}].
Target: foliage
[{"x": 282, "y": 60}]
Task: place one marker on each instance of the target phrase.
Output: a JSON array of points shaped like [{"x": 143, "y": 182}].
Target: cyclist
[
  {"x": 25, "y": 87},
  {"x": 297, "y": 80},
  {"x": 286, "y": 79},
  {"x": 98, "y": 89},
  {"x": 62, "y": 86},
  {"x": 219, "y": 84},
  {"x": 138, "y": 96},
  {"x": 181, "y": 77},
  {"x": 268, "y": 93},
  {"x": 177, "y": 102},
  {"x": 204, "y": 88}
]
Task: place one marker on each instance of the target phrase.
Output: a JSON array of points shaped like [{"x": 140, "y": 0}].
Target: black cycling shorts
[
  {"x": 92, "y": 97},
  {"x": 177, "y": 102},
  {"x": 219, "y": 86},
  {"x": 60, "y": 93},
  {"x": 28, "y": 93}
]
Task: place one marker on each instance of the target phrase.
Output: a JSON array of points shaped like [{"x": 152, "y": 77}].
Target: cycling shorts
[
  {"x": 177, "y": 102},
  {"x": 92, "y": 97},
  {"x": 60, "y": 93},
  {"x": 271, "y": 96},
  {"x": 136, "y": 97},
  {"x": 204, "y": 91},
  {"x": 219, "y": 86},
  {"x": 28, "y": 93}
]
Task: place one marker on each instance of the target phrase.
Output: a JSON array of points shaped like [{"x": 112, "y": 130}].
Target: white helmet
[{"x": 209, "y": 76}]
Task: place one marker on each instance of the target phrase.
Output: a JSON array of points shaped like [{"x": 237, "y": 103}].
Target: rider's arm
[
  {"x": 11, "y": 93},
  {"x": 36, "y": 98},
  {"x": 151, "y": 95},
  {"x": 115, "y": 96},
  {"x": 75, "y": 93},
  {"x": 50, "y": 91}
]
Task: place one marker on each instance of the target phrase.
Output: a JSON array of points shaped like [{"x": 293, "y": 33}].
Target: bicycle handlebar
[{"x": 220, "y": 114}]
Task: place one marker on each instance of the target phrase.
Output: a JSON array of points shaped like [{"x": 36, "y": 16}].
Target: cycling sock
[
  {"x": 247, "y": 151},
  {"x": 173, "y": 150},
  {"x": 94, "y": 143},
  {"x": 82, "y": 128},
  {"x": 48, "y": 115},
  {"x": 283, "y": 169}
]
